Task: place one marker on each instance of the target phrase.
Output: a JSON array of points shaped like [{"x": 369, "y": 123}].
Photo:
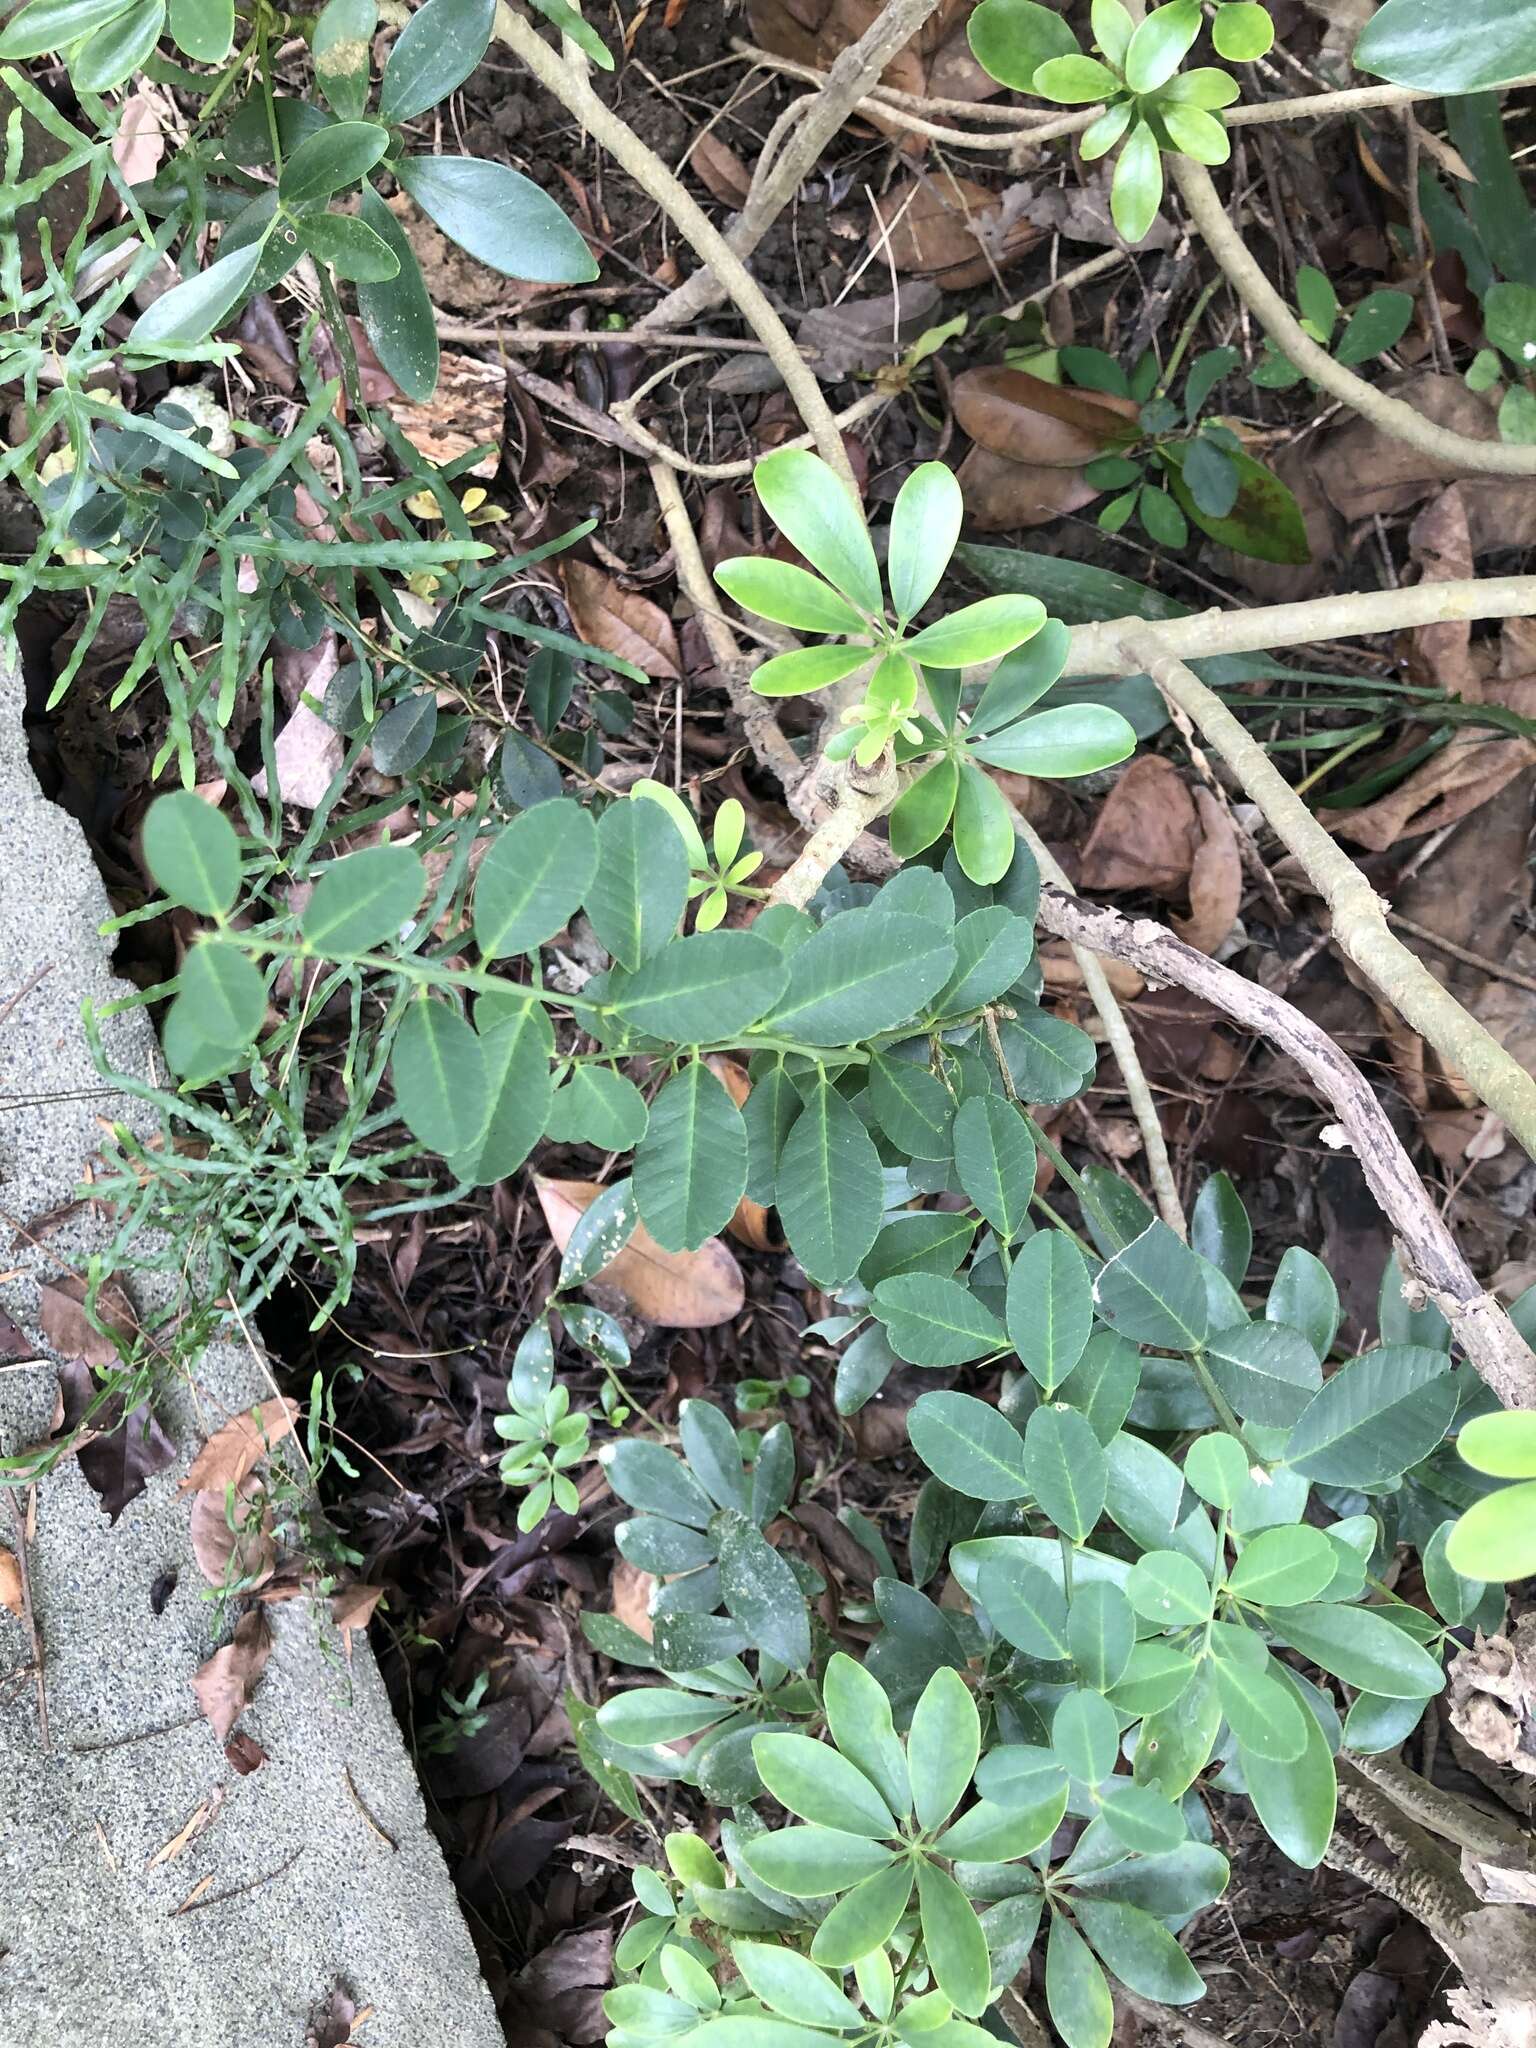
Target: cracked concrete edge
[{"x": 293, "y": 1889}]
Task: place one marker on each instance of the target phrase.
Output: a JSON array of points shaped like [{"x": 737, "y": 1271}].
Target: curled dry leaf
[
  {"x": 1493, "y": 1695},
  {"x": 10, "y": 1584},
  {"x": 353, "y": 1608},
  {"x": 1215, "y": 879},
  {"x": 68, "y": 1330},
  {"x": 244, "y": 1754},
  {"x": 720, "y": 170},
  {"x": 682, "y": 1290},
  {"x": 1145, "y": 834},
  {"x": 751, "y": 1224},
  {"x": 950, "y": 230},
  {"x": 936, "y": 64},
  {"x": 1032, "y": 439},
  {"x": 116, "y": 1456},
  {"x": 234, "y": 1451},
  {"x": 621, "y": 621},
  {"x": 225, "y": 1684},
  {"x": 631, "y": 1590},
  {"x": 242, "y": 1555}
]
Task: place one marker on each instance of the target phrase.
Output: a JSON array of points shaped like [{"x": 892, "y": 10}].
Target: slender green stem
[{"x": 1219, "y": 1402}]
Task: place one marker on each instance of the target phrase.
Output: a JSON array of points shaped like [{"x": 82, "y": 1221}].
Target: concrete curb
[{"x": 303, "y": 1894}]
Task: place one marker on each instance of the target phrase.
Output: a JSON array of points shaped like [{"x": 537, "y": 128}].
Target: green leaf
[
  {"x": 983, "y": 828},
  {"x": 519, "y": 1087},
  {"x": 925, "y": 524},
  {"x": 932, "y": 1320},
  {"x": 954, "y": 1941},
  {"x": 363, "y": 900},
  {"x": 330, "y": 160},
  {"x": 596, "y": 1107},
  {"x": 349, "y": 247},
  {"x": 1072, "y": 739},
  {"x": 1085, "y": 1735},
  {"x": 398, "y": 318},
  {"x": 920, "y": 814},
  {"x": 815, "y": 1783},
  {"x": 1138, "y": 1949},
  {"x": 1242, "y": 31},
  {"x": 991, "y": 1833},
  {"x": 433, "y": 54},
  {"x": 983, "y": 631},
  {"x": 1159, "y": 45},
  {"x": 1136, "y": 190},
  {"x": 1020, "y": 1775},
  {"x": 713, "y": 1454},
  {"x": 790, "y": 1984},
  {"x": 193, "y": 853},
  {"x": 1376, "y": 1417},
  {"x": 993, "y": 947},
  {"x": 858, "y": 1712},
  {"x": 1101, "y": 1633},
  {"x": 640, "y": 888},
  {"x": 1296, "y": 1799},
  {"x": 830, "y": 1189},
  {"x": 54, "y": 24},
  {"x": 203, "y": 30},
  {"x": 1496, "y": 1538},
  {"x": 113, "y": 53},
  {"x": 1141, "y": 1818},
  {"x": 1359, "y": 1645},
  {"x": 703, "y": 988},
  {"x": 1050, "y": 1306},
  {"x": 807, "y": 669},
  {"x": 1219, "y": 1229},
  {"x": 1379, "y": 322},
  {"x": 912, "y": 1107},
  {"x": 1263, "y": 1715},
  {"x": 534, "y": 877},
  {"x": 1503, "y": 1445},
  {"x": 1454, "y": 1596},
  {"x": 1081, "y": 2009},
  {"x": 1066, "y": 1470},
  {"x": 812, "y": 1863},
  {"x": 1048, "y": 1058},
  {"x": 439, "y": 1075},
  {"x": 1021, "y": 678},
  {"x": 789, "y": 595},
  {"x": 1166, "y": 1587},
  {"x": 943, "y": 1745},
  {"x": 341, "y": 47},
  {"x": 1265, "y": 521},
  {"x": 691, "y": 1165},
  {"x": 1283, "y": 1567},
  {"x": 811, "y": 506},
  {"x": 403, "y": 736},
  {"x": 653, "y": 1479},
  {"x": 1154, "y": 1292},
  {"x": 498, "y": 216},
  {"x": 223, "y": 995},
  {"x": 189, "y": 312},
  {"x": 761, "y": 1592},
  {"x": 655, "y": 1714},
  {"x": 1075, "y": 80},
  {"x": 995, "y": 1162},
  {"x": 864, "y": 1919},
  {"x": 1444, "y": 49},
  {"x": 1027, "y": 1609},
  {"x": 1216, "y": 1466},
  {"x": 1303, "y": 1295},
  {"x": 864, "y": 972},
  {"x": 1013, "y": 38},
  {"x": 1267, "y": 1372}
]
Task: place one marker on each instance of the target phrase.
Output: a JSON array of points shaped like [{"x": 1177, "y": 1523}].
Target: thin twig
[
  {"x": 1123, "y": 1046},
  {"x": 655, "y": 450}
]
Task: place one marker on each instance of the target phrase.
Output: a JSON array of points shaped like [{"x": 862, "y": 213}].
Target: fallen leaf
[
  {"x": 1215, "y": 879},
  {"x": 69, "y": 1332},
  {"x": 631, "y": 1591},
  {"x": 720, "y": 170},
  {"x": 352, "y": 1608},
  {"x": 14, "y": 1341},
  {"x": 467, "y": 409},
  {"x": 621, "y": 621},
  {"x": 139, "y": 143},
  {"x": 244, "y": 1754},
  {"x": 950, "y": 230},
  {"x": 1145, "y": 834},
  {"x": 861, "y": 335},
  {"x": 561, "y": 1991},
  {"x": 243, "y": 1555},
  {"x": 239, "y": 1447},
  {"x": 1080, "y": 212},
  {"x": 750, "y": 1224},
  {"x": 1440, "y": 541},
  {"x": 682, "y": 1290},
  {"x": 309, "y": 752},
  {"x": 10, "y": 1584},
  {"x": 1493, "y": 1695},
  {"x": 936, "y": 64},
  {"x": 117, "y": 1457},
  {"x": 225, "y": 1684},
  {"x": 1467, "y": 772},
  {"x": 1032, "y": 439}
]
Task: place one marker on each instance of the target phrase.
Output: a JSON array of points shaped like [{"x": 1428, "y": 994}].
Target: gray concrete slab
[{"x": 302, "y": 1894}]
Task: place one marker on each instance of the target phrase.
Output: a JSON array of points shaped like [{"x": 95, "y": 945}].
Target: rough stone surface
[{"x": 301, "y": 1895}]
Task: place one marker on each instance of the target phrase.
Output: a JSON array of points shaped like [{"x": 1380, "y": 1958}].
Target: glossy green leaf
[
  {"x": 351, "y": 249},
  {"x": 1496, "y": 1538},
  {"x": 865, "y": 971},
  {"x": 111, "y": 55},
  {"x": 363, "y": 900},
  {"x": 983, "y": 827},
  {"x": 812, "y": 1863},
  {"x": 1154, "y": 1292},
  {"x": 943, "y": 1745},
  {"x": 1021, "y": 678},
  {"x": 811, "y": 506},
  {"x": 1081, "y": 2009},
  {"x": 655, "y": 1714},
  {"x": 1071, "y": 739},
  {"x": 1375, "y": 1417},
  {"x": 1136, "y": 190},
  {"x": 1303, "y": 1295},
  {"x": 534, "y": 877},
  {"x": 993, "y": 947},
  {"x": 954, "y": 1941},
  {"x": 1013, "y": 38},
  {"x": 189, "y": 312},
  {"x": 1444, "y": 49},
  {"x": 865, "y": 1918},
  {"x": 789, "y": 595},
  {"x": 640, "y": 888},
  {"x": 193, "y": 853},
  {"x": 995, "y": 1164},
  {"x": 1074, "y": 80},
  {"x": 397, "y": 314},
  {"x": 1454, "y": 1596},
  {"x": 1219, "y": 1229},
  {"x": 55, "y": 24},
  {"x": 433, "y": 54},
  {"x": 918, "y": 1241},
  {"x": 933, "y": 1320},
  {"x": 761, "y": 1592},
  {"x": 1066, "y": 1470},
  {"x": 1359, "y": 1645},
  {"x": 1139, "y": 1950},
  {"x": 1263, "y": 1715},
  {"x": 858, "y": 1711},
  {"x": 1166, "y": 1587},
  {"x": 1296, "y": 1799},
  {"x": 703, "y": 988},
  {"x": 1283, "y": 1567},
  {"x": 1048, "y": 1058},
  {"x": 830, "y": 1188},
  {"x": 1140, "y": 1818},
  {"x": 1216, "y": 1466},
  {"x": 595, "y": 1106},
  {"x": 499, "y": 217},
  {"x": 922, "y": 811},
  {"x": 691, "y": 1165},
  {"x": 1050, "y": 1306},
  {"x": 331, "y": 160},
  {"x": 1155, "y": 1676},
  {"x": 817, "y": 1784},
  {"x": 925, "y": 524},
  {"x": 788, "y": 1983}
]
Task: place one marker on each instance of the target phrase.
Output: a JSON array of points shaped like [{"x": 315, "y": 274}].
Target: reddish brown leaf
[
  {"x": 1032, "y": 439},
  {"x": 116, "y": 1456},
  {"x": 353, "y": 1608},
  {"x": 621, "y": 621},
  {"x": 1145, "y": 834},
  {"x": 937, "y": 62},
  {"x": 225, "y": 1684},
  {"x": 10, "y": 1584},
  {"x": 1215, "y": 879},
  {"x": 720, "y": 169},
  {"x": 69, "y": 1332},
  {"x": 682, "y": 1290},
  {"x": 239, "y": 1447},
  {"x": 242, "y": 1554},
  {"x": 244, "y": 1754},
  {"x": 949, "y": 229}
]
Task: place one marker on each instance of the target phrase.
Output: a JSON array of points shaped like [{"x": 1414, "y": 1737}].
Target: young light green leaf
[
  {"x": 806, "y": 669},
  {"x": 925, "y": 524},
  {"x": 789, "y": 595},
  {"x": 1159, "y": 45},
  {"x": 811, "y": 506},
  {"x": 983, "y": 631},
  {"x": 1495, "y": 1539},
  {"x": 1013, "y": 38},
  {"x": 1136, "y": 190},
  {"x": 924, "y": 808}
]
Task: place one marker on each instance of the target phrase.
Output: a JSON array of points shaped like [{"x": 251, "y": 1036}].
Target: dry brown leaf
[
  {"x": 1469, "y": 770},
  {"x": 1032, "y": 439},
  {"x": 1145, "y": 834},
  {"x": 467, "y": 409},
  {"x": 681, "y": 1290},
  {"x": 720, "y": 170},
  {"x": 621, "y": 621},
  {"x": 631, "y": 1591},
  {"x": 949, "y": 229},
  {"x": 309, "y": 752},
  {"x": 750, "y": 1225},
  {"x": 225, "y": 1684},
  {"x": 936, "y": 64},
  {"x": 239, "y": 1447},
  {"x": 245, "y": 1556},
  {"x": 1215, "y": 879},
  {"x": 353, "y": 1608},
  {"x": 66, "y": 1328},
  {"x": 244, "y": 1754},
  {"x": 139, "y": 143},
  {"x": 10, "y": 1584},
  {"x": 1440, "y": 542}
]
